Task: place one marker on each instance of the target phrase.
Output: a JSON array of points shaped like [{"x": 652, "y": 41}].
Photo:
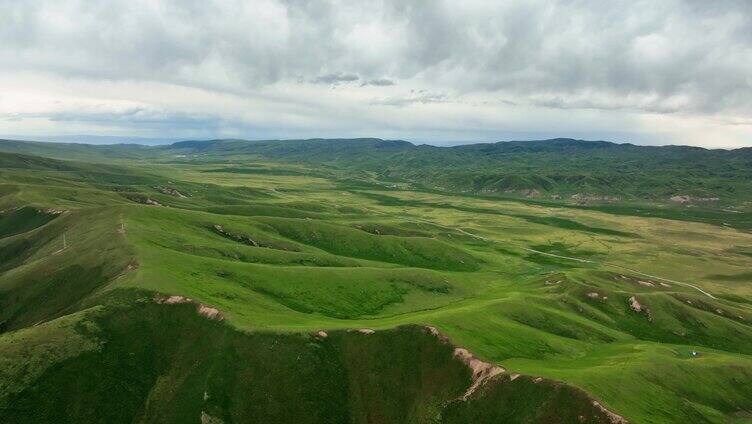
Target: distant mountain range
[{"x": 568, "y": 169}]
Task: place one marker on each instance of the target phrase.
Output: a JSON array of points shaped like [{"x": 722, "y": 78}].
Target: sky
[{"x": 437, "y": 72}]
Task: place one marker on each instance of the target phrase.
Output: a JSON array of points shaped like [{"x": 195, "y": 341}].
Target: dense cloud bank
[{"x": 638, "y": 66}]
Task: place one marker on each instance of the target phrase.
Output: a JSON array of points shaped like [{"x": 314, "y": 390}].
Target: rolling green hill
[
  {"x": 588, "y": 170},
  {"x": 331, "y": 281},
  {"x": 575, "y": 170}
]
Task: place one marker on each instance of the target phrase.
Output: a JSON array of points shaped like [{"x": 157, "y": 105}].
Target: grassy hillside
[
  {"x": 575, "y": 170},
  {"x": 174, "y": 366},
  {"x": 590, "y": 171},
  {"x": 164, "y": 289}
]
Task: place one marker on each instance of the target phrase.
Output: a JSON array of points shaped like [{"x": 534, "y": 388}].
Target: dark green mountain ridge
[{"x": 591, "y": 171}]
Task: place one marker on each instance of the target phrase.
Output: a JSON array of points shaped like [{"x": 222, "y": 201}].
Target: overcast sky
[{"x": 648, "y": 72}]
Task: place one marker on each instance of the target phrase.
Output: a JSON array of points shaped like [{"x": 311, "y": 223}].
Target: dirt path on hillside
[
  {"x": 634, "y": 271},
  {"x": 609, "y": 264}
]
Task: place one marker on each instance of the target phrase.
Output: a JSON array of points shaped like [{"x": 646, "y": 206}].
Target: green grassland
[{"x": 285, "y": 248}]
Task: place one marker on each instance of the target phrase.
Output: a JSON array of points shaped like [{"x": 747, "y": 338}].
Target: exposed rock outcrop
[
  {"x": 482, "y": 371},
  {"x": 201, "y": 309},
  {"x": 485, "y": 372},
  {"x": 170, "y": 191},
  {"x": 583, "y": 198},
  {"x": 639, "y": 308},
  {"x": 685, "y": 199}
]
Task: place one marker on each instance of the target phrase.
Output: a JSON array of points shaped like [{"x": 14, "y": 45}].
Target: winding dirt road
[{"x": 609, "y": 264}]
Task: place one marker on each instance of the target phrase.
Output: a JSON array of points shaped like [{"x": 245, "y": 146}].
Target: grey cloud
[
  {"x": 651, "y": 106},
  {"x": 419, "y": 97},
  {"x": 335, "y": 78},
  {"x": 379, "y": 82},
  {"x": 741, "y": 123},
  {"x": 622, "y": 56},
  {"x": 565, "y": 48},
  {"x": 137, "y": 117}
]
